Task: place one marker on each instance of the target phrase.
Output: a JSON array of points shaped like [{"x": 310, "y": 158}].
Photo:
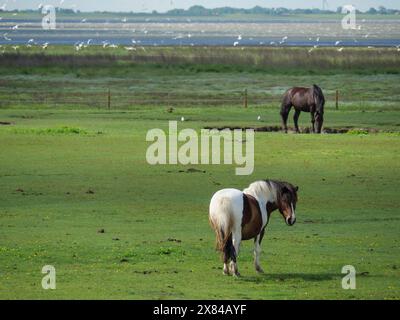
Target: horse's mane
[
  {"x": 264, "y": 190},
  {"x": 268, "y": 190}
]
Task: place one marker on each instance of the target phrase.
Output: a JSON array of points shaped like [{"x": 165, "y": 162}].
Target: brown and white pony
[{"x": 242, "y": 215}]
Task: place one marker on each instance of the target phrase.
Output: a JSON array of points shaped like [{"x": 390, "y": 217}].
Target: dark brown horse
[{"x": 304, "y": 99}]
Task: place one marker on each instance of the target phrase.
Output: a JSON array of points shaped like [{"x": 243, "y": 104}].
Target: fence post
[
  {"x": 337, "y": 99},
  {"x": 245, "y": 98},
  {"x": 109, "y": 99}
]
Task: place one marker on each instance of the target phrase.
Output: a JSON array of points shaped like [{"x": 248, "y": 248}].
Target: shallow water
[{"x": 383, "y": 33}]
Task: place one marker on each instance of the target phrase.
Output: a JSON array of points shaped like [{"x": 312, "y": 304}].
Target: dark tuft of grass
[{"x": 51, "y": 131}]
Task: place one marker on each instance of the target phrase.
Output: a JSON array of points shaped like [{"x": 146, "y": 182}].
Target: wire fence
[
  {"x": 115, "y": 100},
  {"x": 110, "y": 99}
]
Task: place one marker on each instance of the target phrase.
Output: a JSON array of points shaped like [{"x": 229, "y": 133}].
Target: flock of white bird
[{"x": 136, "y": 43}]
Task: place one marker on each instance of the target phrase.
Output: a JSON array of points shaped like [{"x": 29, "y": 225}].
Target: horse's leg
[
  {"x": 236, "y": 238},
  {"x": 226, "y": 269},
  {"x": 296, "y": 120},
  {"x": 285, "y": 109},
  {"x": 313, "y": 121},
  {"x": 226, "y": 255},
  {"x": 257, "y": 251}
]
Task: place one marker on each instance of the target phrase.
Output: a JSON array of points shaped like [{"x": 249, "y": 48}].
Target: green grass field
[{"x": 69, "y": 170}]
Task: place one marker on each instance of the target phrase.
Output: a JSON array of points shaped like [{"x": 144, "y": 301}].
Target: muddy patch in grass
[{"x": 305, "y": 130}]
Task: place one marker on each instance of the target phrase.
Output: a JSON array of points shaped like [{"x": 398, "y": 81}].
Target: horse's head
[
  {"x": 319, "y": 121},
  {"x": 287, "y": 200},
  {"x": 319, "y": 107}
]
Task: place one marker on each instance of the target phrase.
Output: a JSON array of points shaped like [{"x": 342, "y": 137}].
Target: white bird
[
  {"x": 78, "y": 46},
  {"x": 133, "y": 41},
  {"x": 45, "y": 46},
  {"x": 83, "y": 20},
  {"x": 284, "y": 38},
  {"x": 259, "y": 118},
  {"x": 318, "y": 39},
  {"x": 183, "y": 119},
  {"x": 15, "y": 27},
  {"x": 236, "y": 43},
  {"x": 337, "y": 43},
  {"x": 130, "y": 48},
  {"x": 340, "y": 50},
  {"x": 239, "y": 37},
  {"x": 5, "y": 37},
  {"x": 124, "y": 20}
]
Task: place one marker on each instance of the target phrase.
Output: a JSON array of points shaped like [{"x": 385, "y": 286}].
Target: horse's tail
[
  {"x": 285, "y": 104},
  {"x": 221, "y": 220}
]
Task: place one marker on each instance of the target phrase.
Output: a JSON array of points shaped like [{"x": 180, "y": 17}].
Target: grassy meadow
[{"x": 76, "y": 191}]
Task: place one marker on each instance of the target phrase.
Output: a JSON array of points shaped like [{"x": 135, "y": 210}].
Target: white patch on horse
[
  {"x": 263, "y": 192},
  {"x": 293, "y": 214}
]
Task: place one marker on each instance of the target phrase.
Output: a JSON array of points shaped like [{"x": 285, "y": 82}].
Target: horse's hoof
[{"x": 259, "y": 270}]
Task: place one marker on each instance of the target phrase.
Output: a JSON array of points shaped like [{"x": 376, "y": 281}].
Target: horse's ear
[
  {"x": 296, "y": 188},
  {"x": 285, "y": 190}
]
